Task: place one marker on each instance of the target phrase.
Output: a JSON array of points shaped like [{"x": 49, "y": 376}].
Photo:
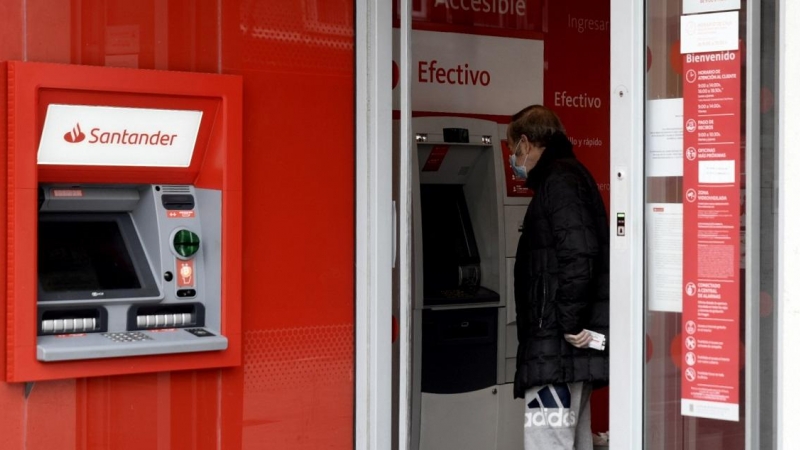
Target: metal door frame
[
  {"x": 627, "y": 89},
  {"x": 788, "y": 250},
  {"x": 374, "y": 225}
]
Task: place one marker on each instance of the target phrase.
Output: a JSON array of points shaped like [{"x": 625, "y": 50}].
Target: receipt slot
[{"x": 123, "y": 221}]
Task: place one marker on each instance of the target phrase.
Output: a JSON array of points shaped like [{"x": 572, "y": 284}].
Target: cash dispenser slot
[
  {"x": 150, "y": 317},
  {"x": 72, "y": 321}
]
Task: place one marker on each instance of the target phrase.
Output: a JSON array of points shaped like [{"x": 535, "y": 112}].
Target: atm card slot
[
  {"x": 69, "y": 321},
  {"x": 166, "y": 316},
  {"x": 180, "y": 202}
]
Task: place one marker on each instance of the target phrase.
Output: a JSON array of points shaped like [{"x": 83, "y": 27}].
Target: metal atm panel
[{"x": 115, "y": 293}]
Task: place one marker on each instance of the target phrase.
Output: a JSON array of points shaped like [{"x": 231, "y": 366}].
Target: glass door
[
  {"x": 694, "y": 388},
  {"x": 693, "y": 158}
]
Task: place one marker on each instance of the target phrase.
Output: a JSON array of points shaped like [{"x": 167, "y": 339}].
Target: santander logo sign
[
  {"x": 118, "y": 136},
  {"x": 124, "y": 137},
  {"x": 76, "y": 135},
  {"x": 502, "y": 7}
]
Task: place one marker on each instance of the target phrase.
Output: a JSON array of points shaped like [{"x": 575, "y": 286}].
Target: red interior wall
[{"x": 295, "y": 388}]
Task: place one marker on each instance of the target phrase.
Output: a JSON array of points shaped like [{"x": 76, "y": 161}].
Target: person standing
[{"x": 560, "y": 285}]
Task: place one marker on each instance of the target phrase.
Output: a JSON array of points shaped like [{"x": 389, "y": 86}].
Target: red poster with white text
[
  {"x": 577, "y": 63},
  {"x": 711, "y": 244},
  {"x": 515, "y": 186},
  {"x": 435, "y": 158}
]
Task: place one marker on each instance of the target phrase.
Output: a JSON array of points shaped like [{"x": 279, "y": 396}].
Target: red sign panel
[
  {"x": 711, "y": 245},
  {"x": 180, "y": 214},
  {"x": 576, "y": 88},
  {"x": 436, "y": 158},
  {"x": 512, "y": 18},
  {"x": 67, "y": 192},
  {"x": 515, "y": 187},
  {"x": 185, "y": 273}
]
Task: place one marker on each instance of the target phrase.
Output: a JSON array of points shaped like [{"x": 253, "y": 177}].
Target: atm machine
[
  {"x": 464, "y": 335},
  {"x": 123, "y": 222}
]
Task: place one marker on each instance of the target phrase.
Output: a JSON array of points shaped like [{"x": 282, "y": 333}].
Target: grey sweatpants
[{"x": 558, "y": 417}]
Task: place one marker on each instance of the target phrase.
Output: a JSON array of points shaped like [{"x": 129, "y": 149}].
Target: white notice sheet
[
  {"x": 715, "y": 32},
  {"x": 702, "y": 6},
  {"x": 664, "y": 256},
  {"x": 665, "y": 138}
]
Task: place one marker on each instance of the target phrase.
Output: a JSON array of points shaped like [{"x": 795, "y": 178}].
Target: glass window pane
[{"x": 673, "y": 241}]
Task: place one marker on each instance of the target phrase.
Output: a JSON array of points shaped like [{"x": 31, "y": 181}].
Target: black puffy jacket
[{"x": 561, "y": 274}]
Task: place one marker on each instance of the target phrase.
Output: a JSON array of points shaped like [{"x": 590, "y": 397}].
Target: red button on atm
[{"x": 185, "y": 269}]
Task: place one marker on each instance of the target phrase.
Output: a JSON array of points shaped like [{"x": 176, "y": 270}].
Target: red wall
[{"x": 295, "y": 388}]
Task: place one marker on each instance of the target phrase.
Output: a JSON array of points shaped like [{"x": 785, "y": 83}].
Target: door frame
[
  {"x": 374, "y": 225},
  {"x": 788, "y": 252},
  {"x": 627, "y": 89}
]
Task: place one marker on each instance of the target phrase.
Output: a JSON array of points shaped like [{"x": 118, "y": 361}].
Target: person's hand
[{"x": 580, "y": 340}]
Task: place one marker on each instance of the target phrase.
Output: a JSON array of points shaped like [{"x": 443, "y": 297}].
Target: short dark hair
[{"x": 536, "y": 122}]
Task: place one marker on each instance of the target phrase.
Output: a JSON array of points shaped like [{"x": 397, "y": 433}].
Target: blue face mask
[{"x": 519, "y": 171}]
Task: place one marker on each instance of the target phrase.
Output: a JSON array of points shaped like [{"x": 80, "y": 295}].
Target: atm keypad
[{"x": 128, "y": 336}]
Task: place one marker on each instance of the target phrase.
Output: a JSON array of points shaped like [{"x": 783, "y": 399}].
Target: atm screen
[
  {"x": 447, "y": 238},
  {"x": 91, "y": 257}
]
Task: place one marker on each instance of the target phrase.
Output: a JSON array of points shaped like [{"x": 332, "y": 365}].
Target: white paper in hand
[{"x": 598, "y": 341}]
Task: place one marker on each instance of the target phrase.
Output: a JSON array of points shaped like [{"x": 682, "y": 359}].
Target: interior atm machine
[{"x": 464, "y": 241}]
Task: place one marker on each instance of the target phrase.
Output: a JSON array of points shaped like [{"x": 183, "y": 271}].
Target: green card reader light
[{"x": 186, "y": 243}]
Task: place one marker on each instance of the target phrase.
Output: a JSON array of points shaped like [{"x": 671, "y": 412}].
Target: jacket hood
[{"x": 559, "y": 147}]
